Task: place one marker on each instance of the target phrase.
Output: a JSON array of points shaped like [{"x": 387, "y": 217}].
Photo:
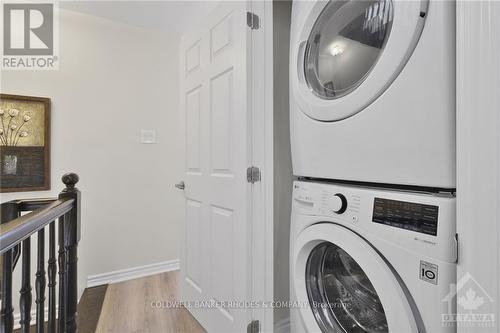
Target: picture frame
[{"x": 24, "y": 143}]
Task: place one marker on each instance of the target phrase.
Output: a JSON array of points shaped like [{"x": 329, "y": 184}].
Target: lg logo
[{"x": 28, "y": 29}]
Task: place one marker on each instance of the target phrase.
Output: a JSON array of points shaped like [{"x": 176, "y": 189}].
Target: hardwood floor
[{"x": 127, "y": 307}]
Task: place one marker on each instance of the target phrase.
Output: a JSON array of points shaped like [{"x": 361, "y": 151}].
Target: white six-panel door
[{"x": 215, "y": 114}]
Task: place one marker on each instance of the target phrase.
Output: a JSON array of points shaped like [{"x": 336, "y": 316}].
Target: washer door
[
  {"x": 346, "y": 285},
  {"x": 349, "y": 52}
]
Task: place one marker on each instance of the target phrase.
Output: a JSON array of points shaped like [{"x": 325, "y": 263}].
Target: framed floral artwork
[{"x": 24, "y": 143}]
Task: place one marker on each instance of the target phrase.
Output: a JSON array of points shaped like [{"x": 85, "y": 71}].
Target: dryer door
[
  {"x": 346, "y": 285},
  {"x": 348, "y": 52}
]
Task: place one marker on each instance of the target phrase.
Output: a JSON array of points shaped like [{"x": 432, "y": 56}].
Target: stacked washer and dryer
[{"x": 373, "y": 243}]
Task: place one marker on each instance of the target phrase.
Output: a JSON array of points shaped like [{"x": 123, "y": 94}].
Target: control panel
[
  {"x": 421, "y": 222},
  {"x": 372, "y": 206},
  {"x": 406, "y": 215}
]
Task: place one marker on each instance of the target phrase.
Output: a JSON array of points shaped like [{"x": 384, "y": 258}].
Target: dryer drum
[{"x": 345, "y": 44}]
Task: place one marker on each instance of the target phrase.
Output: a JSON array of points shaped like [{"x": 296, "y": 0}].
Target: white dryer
[
  {"x": 371, "y": 260},
  {"x": 372, "y": 91}
]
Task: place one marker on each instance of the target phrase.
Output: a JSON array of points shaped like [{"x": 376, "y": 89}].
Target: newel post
[{"x": 71, "y": 235}]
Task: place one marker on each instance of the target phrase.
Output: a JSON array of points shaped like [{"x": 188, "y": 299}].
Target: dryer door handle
[{"x": 300, "y": 61}]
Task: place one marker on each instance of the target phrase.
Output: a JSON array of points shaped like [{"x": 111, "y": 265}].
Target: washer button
[{"x": 355, "y": 218}]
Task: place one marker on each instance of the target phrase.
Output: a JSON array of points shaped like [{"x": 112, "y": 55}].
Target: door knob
[{"x": 180, "y": 185}]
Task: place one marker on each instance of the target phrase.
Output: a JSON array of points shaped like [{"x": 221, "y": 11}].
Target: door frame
[
  {"x": 262, "y": 223},
  {"x": 478, "y": 152}
]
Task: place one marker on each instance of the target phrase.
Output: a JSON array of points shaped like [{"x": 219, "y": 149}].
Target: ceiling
[{"x": 164, "y": 15}]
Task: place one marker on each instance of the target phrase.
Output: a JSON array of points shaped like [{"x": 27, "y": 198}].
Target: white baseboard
[
  {"x": 282, "y": 326},
  {"x": 132, "y": 273}
]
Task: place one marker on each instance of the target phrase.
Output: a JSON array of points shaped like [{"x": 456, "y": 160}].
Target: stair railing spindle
[
  {"x": 40, "y": 283},
  {"x": 25, "y": 292},
  {"x": 52, "y": 271},
  {"x": 62, "y": 268},
  {"x": 7, "y": 311}
]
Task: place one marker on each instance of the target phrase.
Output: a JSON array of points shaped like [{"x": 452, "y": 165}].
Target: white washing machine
[
  {"x": 371, "y": 260},
  {"x": 372, "y": 91}
]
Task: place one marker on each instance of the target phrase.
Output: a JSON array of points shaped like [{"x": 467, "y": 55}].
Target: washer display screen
[{"x": 406, "y": 215}]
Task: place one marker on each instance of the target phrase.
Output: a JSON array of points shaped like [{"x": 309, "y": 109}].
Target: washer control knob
[{"x": 338, "y": 203}]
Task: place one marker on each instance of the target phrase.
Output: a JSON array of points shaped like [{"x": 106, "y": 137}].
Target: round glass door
[
  {"x": 345, "y": 44},
  {"x": 340, "y": 294}
]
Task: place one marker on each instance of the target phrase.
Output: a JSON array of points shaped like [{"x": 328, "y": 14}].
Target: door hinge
[
  {"x": 253, "y": 174},
  {"x": 253, "y": 327},
  {"x": 253, "y": 21}
]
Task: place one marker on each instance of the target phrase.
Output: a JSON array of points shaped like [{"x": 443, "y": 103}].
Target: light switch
[{"x": 148, "y": 136}]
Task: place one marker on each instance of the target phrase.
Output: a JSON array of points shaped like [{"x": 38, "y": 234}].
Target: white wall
[
  {"x": 114, "y": 80},
  {"x": 478, "y": 159}
]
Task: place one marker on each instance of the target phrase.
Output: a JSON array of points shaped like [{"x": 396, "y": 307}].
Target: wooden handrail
[
  {"x": 29, "y": 205},
  {"x": 15, "y": 231}
]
